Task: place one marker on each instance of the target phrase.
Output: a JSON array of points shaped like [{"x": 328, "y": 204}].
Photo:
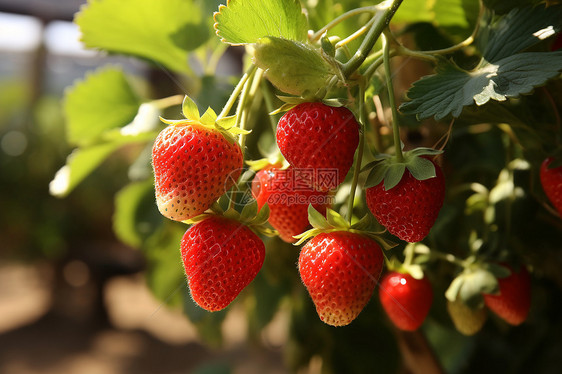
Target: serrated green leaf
[
  {"x": 130, "y": 201},
  {"x": 103, "y": 100},
  {"x": 520, "y": 29},
  {"x": 162, "y": 31},
  {"x": 393, "y": 175},
  {"x": 335, "y": 219},
  {"x": 421, "y": 168},
  {"x": 317, "y": 220},
  {"x": 451, "y": 89},
  {"x": 189, "y": 109},
  {"x": 293, "y": 67},
  {"x": 245, "y": 21}
]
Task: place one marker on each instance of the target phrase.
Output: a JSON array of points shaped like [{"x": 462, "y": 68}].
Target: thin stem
[
  {"x": 381, "y": 21},
  {"x": 268, "y": 98},
  {"x": 236, "y": 92},
  {"x": 318, "y": 34},
  {"x": 242, "y": 109},
  {"x": 390, "y": 88},
  {"x": 356, "y": 34},
  {"x": 359, "y": 158}
]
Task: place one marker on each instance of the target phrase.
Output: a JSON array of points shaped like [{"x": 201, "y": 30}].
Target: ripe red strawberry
[
  {"x": 551, "y": 180},
  {"x": 513, "y": 302},
  {"x": 221, "y": 257},
  {"x": 409, "y": 209},
  {"x": 288, "y": 200},
  {"x": 405, "y": 299},
  {"x": 467, "y": 321},
  {"x": 340, "y": 270},
  {"x": 193, "y": 166},
  {"x": 321, "y": 138}
]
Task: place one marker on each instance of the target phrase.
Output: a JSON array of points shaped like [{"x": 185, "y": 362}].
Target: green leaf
[
  {"x": 131, "y": 202},
  {"x": 520, "y": 29},
  {"x": 162, "y": 31},
  {"x": 104, "y": 100},
  {"x": 79, "y": 164},
  {"x": 295, "y": 68},
  {"x": 442, "y": 13},
  {"x": 189, "y": 109},
  {"x": 246, "y": 21},
  {"x": 451, "y": 89}
]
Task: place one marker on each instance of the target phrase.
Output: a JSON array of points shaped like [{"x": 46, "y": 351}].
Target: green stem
[
  {"x": 168, "y": 101},
  {"x": 359, "y": 158},
  {"x": 248, "y": 92},
  {"x": 390, "y": 88},
  {"x": 236, "y": 92},
  {"x": 382, "y": 19},
  {"x": 268, "y": 98},
  {"x": 318, "y": 34}
]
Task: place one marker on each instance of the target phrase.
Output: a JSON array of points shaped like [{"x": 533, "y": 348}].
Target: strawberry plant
[{"x": 356, "y": 136}]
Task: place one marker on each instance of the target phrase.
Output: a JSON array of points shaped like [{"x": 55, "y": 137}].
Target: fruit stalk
[
  {"x": 382, "y": 19},
  {"x": 390, "y": 88},
  {"x": 236, "y": 92},
  {"x": 359, "y": 158}
]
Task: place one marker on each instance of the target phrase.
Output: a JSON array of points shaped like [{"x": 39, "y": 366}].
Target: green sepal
[
  {"x": 390, "y": 170},
  {"x": 469, "y": 286},
  {"x": 189, "y": 109},
  {"x": 226, "y": 125},
  {"x": 335, "y": 222},
  {"x": 415, "y": 270},
  {"x": 273, "y": 159}
]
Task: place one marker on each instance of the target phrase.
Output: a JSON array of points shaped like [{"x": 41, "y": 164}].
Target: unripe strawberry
[
  {"x": 340, "y": 270},
  {"x": 221, "y": 257},
  {"x": 406, "y": 300},
  {"x": 320, "y": 138},
  {"x": 193, "y": 166},
  {"x": 513, "y": 301},
  {"x": 467, "y": 321}
]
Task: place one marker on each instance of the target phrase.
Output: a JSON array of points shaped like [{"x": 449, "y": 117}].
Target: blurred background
[{"x": 73, "y": 299}]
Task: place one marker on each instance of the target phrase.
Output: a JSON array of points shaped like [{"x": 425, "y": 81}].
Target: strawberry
[
  {"x": 340, "y": 270},
  {"x": 513, "y": 301},
  {"x": 320, "y": 138},
  {"x": 221, "y": 257},
  {"x": 467, "y": 321},
  {"x": 288, "y": 200},
  {"x": 193, "y": 166},
  {"x": 551, "y": 180},
  {"x": 406, "y": 300},
  {"x": 409, "y": 209}
]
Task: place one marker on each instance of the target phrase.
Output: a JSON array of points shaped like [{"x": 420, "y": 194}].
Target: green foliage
[
  {"x": 246, "y": 21},
  {"x": 161, "y": 31},
  {"x": 451, "y": 89},
  {"x": 442, "y": 13}
]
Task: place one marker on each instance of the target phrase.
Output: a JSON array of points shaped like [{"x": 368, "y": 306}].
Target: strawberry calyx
[
  {"x": 390, "y": 168},
  {"x": 274, "y": 159},
  {"x": 250, "y": 216},
  {"x": 335, "y": 222},
  {"x": 292, "y": 101},
  {"x": 410, "y": 265},
  {"x": 225, "y": 125}
]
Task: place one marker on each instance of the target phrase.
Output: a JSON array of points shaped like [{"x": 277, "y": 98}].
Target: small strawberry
[
  {"x": 221, "y": 257},
  {"x": 467, "y": 321},
  {"x": 320, "y": 138},
  {"x": 288, "y": 199},
  {"x": 340, "y": 270},
  {"x": 551, "y": 180},
  {"x": 513, "y": 301},
  {"x": 405, "y": 299},
  {"x": 409, "y": 207},
  {"x": 195, "y": 162}
]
